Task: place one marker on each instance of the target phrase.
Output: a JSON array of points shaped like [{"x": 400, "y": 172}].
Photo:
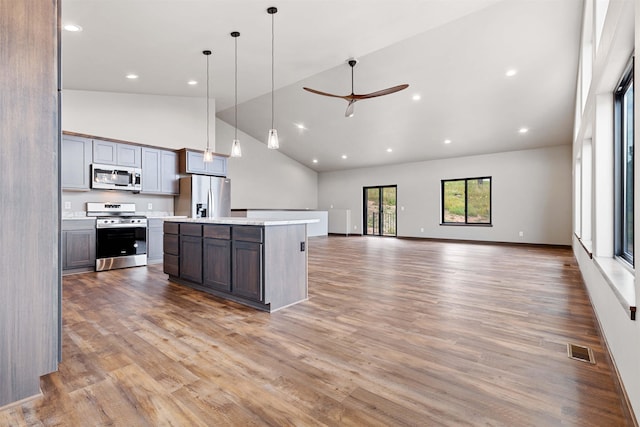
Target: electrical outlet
[
  {"x": 302, "y": 246},
  {"x": 355, "y": 227},
  {"x": 331, "y": 207},
  {"x": 521, "y": 234},
  {"x": 422, "y": 229},
  {"x": 402, "y": 208},
  {"x": 149, "y": 206},
  {"x": 67, "y": 205}
]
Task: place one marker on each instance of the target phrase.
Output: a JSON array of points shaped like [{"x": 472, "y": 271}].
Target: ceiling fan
[{"x": 352, "y": 98}]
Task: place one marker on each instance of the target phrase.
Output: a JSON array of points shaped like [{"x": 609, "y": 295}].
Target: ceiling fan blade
[
  {"x": 350, "y": 108},
  {"x": 317, "y": 92},
  {"x": 382, "y": 92}
]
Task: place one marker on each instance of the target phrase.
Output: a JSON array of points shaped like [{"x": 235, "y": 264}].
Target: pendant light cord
[
  {"x": 208, "y": 102},
  {"x": 235, "y": 111},
  {"x": 272, "y": 67}
]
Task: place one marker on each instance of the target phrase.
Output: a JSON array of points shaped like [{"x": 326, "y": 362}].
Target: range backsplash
[{"x": 74, "y": 203}]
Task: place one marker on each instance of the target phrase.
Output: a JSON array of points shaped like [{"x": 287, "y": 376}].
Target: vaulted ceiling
[{"x": 454, "y": 55}]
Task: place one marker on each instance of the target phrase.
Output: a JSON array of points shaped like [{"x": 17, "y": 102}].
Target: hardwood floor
[{"x": 395, "y": 332}]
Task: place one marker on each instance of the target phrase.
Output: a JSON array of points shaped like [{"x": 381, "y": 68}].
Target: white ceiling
[{"x": 454, "y": 53}]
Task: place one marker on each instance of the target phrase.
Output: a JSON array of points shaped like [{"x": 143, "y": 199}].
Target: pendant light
[
  {"x": 236, "y": 150},
  {"x": 272, "y": 140},
  {"x": 208, "y": 154}
]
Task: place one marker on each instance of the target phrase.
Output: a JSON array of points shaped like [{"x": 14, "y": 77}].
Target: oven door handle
[{"x": 122, "y": 226}]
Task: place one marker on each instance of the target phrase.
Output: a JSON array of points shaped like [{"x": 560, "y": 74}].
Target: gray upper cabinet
[
  {"x": 115, "y": 153},
  {"x": 169, "y": 182},
  {"x": 151, "y": 175},
  {"x": 76, "y": 161},
  {"x": 104, "y": 152},
  {"x": 159, "y": 171},
  {"x": 193, "y": 162}
]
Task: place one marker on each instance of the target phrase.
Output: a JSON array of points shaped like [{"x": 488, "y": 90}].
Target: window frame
[
  {"x": 466, "y": 202},
  {"x": 620, "y": 183}
]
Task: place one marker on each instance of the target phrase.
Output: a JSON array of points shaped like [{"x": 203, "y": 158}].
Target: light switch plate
[
  {"x": 149, "y": 206},
  {"x": 67, "y": 205}
]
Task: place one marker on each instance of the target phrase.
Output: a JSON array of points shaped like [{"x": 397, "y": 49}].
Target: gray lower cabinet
[
  {"x": 191, "y": 252},
  {"x": 171, "y": 249},
  {"x": 78, "y": 245},
  {"x": 264, "y": 267},
  {"x": 116, "y": 153},
  {"x": 159, "y": 171},
  {"x": 154, "y": 240},
  {"x": 216, "y": 257},
  {"x": 247, "y": 272},
  {"x": 76, "y": 163},
  {"x": 248, "y": 262}
]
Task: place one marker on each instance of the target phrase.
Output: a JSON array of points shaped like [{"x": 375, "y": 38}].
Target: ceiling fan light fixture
[
  {"x": 353, "y": 97},
  {"x": 350, "y": 109},
  {"x": 272, "y": 139}
]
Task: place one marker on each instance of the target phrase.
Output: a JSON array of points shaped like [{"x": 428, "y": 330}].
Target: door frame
[{"x": 365, "y": 227}]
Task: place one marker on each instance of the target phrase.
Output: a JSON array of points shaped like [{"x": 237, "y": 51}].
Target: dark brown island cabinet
[{"x": 260, "y": 263}]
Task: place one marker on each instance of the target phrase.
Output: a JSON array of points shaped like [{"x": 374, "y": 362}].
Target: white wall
[
  {"x": 164, "y": 121},
  {"x": 264, "y": 178},
  {"x": 531, "y": 192},
  {"x": 261, "y": 178},
  {"x": 612, "y": 26}
]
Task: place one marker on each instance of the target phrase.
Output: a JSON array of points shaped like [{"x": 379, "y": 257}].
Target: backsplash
[{"x": 74, "y": 203}]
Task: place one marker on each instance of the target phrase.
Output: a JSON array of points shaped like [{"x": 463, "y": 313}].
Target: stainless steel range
[{"x": 121, "y": 235}]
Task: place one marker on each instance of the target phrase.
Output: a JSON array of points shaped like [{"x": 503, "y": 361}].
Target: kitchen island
[{"x": 257, "y": 262}]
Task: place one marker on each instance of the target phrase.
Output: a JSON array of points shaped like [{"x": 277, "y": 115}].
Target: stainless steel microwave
[{"x": 110, "y": 177}]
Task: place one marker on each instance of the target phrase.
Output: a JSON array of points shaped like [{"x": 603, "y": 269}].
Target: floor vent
[{"x": 581, "y": 353}]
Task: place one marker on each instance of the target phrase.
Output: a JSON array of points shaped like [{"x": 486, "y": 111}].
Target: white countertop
[
  {"x": 85, "y": 218},
  {"x": 244, "y": 221},
  {"x": 165, "y": 217}
]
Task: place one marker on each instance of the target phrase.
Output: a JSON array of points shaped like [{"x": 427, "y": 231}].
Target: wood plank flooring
[{"x": 396, "y": 332}]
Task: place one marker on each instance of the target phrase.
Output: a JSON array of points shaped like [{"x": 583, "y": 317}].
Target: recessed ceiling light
[
  {"x": 523, "y": 130},
  {"x": 192, "y": 82},
  {"x": 389, "y": 150},
  {"x": 447, "y": 141},
  {"x": 300, "y": 126},
  {"x": 73, "y": 28},
  {"x": 416, "y": 97},
  {"x": 315, "y": 160},
  {"x": 132, "y": 76},
  {"x": 344, "y": 156},
  {"x": 511, "y": 72}
]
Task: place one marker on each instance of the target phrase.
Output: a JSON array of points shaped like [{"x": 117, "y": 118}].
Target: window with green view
[
  {"x": 624, "y": 167},
  {"x": 466, "y": 201}
]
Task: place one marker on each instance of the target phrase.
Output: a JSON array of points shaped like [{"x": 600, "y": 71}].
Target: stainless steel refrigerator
[{"x": 203, "y": 197}]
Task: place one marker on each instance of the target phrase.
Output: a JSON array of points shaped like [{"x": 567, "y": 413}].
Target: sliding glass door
[{"x": 380, "y": 210}]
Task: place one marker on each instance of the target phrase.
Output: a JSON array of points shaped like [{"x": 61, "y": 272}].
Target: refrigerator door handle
[{"x": 210, "y": 202}]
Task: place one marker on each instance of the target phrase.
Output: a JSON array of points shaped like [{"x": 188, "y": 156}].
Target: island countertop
[{"x": 243, "y": 221}]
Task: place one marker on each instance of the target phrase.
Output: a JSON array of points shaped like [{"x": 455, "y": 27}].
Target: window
[
  {"x": 466, "y": 201},
  {"x": 623, "y": 167}
]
